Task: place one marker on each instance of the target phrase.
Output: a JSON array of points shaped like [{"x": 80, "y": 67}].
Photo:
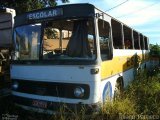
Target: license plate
[{"x": 40, "y": 104}]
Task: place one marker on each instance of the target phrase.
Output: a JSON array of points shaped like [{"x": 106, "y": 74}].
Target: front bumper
[{"x": 35, "y": 104}]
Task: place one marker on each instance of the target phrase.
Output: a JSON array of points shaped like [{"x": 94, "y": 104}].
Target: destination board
[{"x": 45, "y": 14}]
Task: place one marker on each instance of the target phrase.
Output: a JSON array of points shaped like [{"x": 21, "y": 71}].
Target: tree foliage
[
  {"x": 22, "y": 6},
  {"x": 155, "y": 49}
]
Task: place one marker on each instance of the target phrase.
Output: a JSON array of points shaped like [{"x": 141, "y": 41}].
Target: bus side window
[
  {"x": 117, "y": 34},
  {"x": 141, "y": 42},
  {"x": 146, "y": 42},
  {"x": 136, "y": 40},
  {"x": 127, "y": 37},
  {"x": 105, "y": 40}
]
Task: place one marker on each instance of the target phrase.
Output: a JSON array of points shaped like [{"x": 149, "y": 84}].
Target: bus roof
[
  {"x": 62, "y": 11},
  {"x": 8, "y": 10},
  {"x": 57, "y": 12}
]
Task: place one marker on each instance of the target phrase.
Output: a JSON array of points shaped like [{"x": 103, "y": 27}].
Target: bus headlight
[
  {"x": 79, "y": 92},
  {"x": 15, "y": 85}
]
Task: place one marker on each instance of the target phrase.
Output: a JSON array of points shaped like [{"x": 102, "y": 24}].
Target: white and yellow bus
[{"x": 74, "y": 55}]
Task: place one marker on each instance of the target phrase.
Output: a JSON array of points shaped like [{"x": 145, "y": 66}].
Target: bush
[
  {"x": 140, "y": 98},
  {"x": 145, "y": 91}
]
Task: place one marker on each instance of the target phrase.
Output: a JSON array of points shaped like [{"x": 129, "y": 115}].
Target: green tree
[
  {"x": 155, "y": 50},
  {"x": 22, "y": 6}
]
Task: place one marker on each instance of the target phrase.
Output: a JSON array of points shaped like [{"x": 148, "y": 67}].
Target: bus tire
[{"x": 119, "y": 88}]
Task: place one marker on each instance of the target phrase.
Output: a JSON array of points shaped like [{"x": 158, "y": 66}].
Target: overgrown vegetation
[
  {"x": 155, "y": 50},
  {"x": 140, "y": 100},
  {"x": 145, "y": 92}
]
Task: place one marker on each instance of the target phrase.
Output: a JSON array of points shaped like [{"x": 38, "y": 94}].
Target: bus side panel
[{"x": 125, "y": 63}]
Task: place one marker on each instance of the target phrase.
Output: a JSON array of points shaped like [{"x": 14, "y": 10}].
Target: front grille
[{"x": 64, "y": 90}]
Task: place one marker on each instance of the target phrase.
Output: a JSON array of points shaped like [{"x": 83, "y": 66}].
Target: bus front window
[
  {"x": 27, "y": 41},
  {"x": 69, "y": 39}
]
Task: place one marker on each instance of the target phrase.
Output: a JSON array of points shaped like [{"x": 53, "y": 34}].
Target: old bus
[{"x": 73, "y": 55}]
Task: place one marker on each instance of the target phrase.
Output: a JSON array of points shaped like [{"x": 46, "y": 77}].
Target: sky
[{"x": 141, "y": 15}]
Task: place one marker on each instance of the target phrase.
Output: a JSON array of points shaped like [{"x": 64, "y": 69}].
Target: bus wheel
[{"x": 119, "y": 88}]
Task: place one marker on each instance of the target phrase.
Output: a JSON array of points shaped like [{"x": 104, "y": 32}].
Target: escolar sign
[{"x": 45, "y": 14}]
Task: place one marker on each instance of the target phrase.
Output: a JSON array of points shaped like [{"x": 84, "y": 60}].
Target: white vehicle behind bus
[{"x": 6, "y": 45}]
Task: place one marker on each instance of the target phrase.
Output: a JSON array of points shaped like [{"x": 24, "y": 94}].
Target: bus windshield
[
  {"x": 69, "y": 39},
  {"x": 27, "y": 41},
  {"x": 61, "y": 39}
]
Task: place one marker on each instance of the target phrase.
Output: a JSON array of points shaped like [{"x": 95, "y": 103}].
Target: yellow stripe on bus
[{"x": 121, "y": 63}]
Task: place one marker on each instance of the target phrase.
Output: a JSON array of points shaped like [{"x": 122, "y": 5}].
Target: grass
[
  {"x": 145, "y": 91},
  {"x": 140, "y": 100}
]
